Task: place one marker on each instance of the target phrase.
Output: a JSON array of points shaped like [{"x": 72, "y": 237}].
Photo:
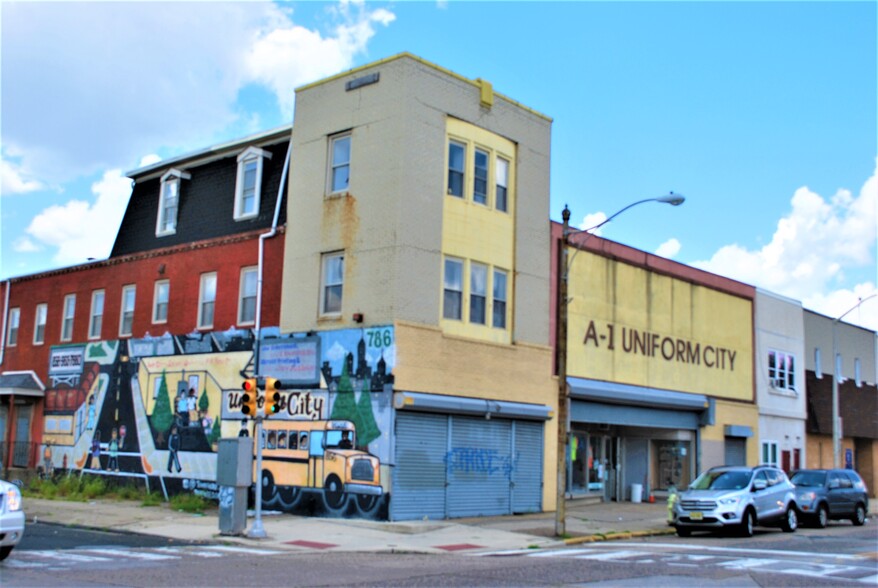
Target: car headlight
[
  {"x": 729, "y": 501},
  {"x": 13, "y": 499},
  {"x": 806, "y": 497}
]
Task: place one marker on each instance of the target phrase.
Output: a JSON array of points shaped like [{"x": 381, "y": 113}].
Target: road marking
[
  {"x": 612, "y": 555},
  {"x": 179, "y": 552},
  {"x": 720, "y": 557},
  {"x": 67, "y": 556},
  {"x": 747, "y": 563},
  {"x": 247, "y": 550},
  {"x": 678, "y": 546},
  {"x": 122, "y": 553}
]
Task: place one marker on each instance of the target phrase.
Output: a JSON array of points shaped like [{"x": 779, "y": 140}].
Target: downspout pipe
[
  {"x": 5, "y": 318},
  {"x": 260, "y": 264}
]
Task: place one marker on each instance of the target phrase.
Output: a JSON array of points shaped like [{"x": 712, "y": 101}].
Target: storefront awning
[
  {"x": 21, "y": 384},
  {"x": 472, "y": 406},
  {"x": 615, "y": 393}
]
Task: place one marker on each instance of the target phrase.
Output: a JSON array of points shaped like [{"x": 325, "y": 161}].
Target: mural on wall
[{"x": 155, "y": 408}]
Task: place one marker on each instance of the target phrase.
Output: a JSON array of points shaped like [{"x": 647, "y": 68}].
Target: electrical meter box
[{"x": 234, "y": 462}]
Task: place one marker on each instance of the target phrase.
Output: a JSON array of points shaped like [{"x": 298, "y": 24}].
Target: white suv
[
  {"x": 737, "y": 498},
  {"x": 11, "y": 518}
]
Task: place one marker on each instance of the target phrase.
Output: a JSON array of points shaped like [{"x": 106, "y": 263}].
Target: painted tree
[
  {"x": 215, "y": 432},
  {"x": 162, "y": 416},
  {"x": 367, "y": 428},
  {"x": 203, "y": 402},
  {"x": 345, "y": 405}
]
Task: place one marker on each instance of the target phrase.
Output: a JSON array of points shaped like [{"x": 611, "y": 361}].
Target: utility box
[{"x": 234, "y": 475}]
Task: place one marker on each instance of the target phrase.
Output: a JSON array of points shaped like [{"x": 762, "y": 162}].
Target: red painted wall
[{"x": 182, "y": 266}]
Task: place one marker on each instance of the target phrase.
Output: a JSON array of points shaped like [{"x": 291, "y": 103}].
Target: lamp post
[
  {"x": 561, "y": 345},
  {"x": 836, "y": 368}
]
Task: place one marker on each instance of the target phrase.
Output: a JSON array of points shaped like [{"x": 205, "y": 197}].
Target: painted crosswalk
[
  {"x": 91, "y": 556},
  {"x": 815, "y": 565}
]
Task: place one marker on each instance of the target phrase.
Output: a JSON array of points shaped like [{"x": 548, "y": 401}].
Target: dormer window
[
  {"x": 169, "y": 202},
  {"x": 248, "y": 189}
]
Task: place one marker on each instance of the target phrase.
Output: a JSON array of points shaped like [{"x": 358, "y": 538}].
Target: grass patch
[
  {"x": 191, "y": 503},
  {"x": 88, "y": 487}
]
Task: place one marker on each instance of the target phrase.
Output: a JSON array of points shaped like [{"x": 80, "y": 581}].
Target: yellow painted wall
[
  {"x": 733, "y": 413},
  {"x": 474, "y": 232},
  {"x": 217, "y": 372},
  {"x": 432, "y": 362},
  {"x": 698, "y": 340}
]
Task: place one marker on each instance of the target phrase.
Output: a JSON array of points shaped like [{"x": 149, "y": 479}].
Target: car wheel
[
  {"x": 859, "y": 515},
  {"x": 790, "y": 521},
  {"x": 681, "y": 532},
  {"x": 748, "y": 523},
  {"x": 822, "y": 517},
  {"x": 5, "y": 551}
]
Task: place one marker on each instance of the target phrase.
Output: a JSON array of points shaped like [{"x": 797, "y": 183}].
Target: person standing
[
  {"x": 113, "y": 450},
  {"x": 173, "y": 448}
]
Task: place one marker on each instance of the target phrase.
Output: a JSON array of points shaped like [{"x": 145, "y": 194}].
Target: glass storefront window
[{"x": 672, "y": 463}]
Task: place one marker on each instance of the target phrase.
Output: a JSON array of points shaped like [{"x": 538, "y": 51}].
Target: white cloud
[
  {"x": 289, "y": 56},
  {"x": 669, "y": 248},
  {"x": 139, "y": 77},
  {"x": 80, "y": 230},
  {"x": 14, "y": 180},
  {"x": 813, "y": 248},
  {"x": 591, "y": 220},
  {"x": 149, "y": 160},
  {"x": 25, "y": 245}
]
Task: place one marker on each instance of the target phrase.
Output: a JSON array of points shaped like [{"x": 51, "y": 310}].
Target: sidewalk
[{"x": 585, "y": 522}]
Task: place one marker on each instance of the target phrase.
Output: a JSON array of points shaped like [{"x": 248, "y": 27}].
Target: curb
[{"x": 615, "y": 536}]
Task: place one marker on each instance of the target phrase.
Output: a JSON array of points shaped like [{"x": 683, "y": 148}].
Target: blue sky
[{"x": 762, "y": 114}]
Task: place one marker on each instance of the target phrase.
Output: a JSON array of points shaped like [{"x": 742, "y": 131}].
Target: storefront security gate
[{"x": 460, "y": 466}]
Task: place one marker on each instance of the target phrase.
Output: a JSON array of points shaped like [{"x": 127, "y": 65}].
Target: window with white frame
[
  {"x": 818, "y": 367},
  {"x": 96, "y": 316},
  {"x": 206, "y": 300},
  {"x": 12, "y": 332},
  {"x": 456, "y": 168},
  {"x": 480, "y": 166},
  {"x": 452, "y": 299},
  {"x": 247, "y": 296},
  {"x": 333, "y": 283},
  {"x": 501, "y": 178},
  {"x": 782, "y": 371},
  {"x": 248, "y": 189},
  {"x": 67, "y": 317},
  {"x": 339, "y": 163},
  {"x": 857, "y": 377},
  {"x": 769, "y": 453},
  {"x": 169, "y": 202},
  {"x": 478, "y": 293},
  {"x": 40, "y": 323},
  {"x": 480, "y": 177},
  {"x": 126, "y": 313},
  {"x": 160, "y": 300},
  {"x": 498, "y": 312}
]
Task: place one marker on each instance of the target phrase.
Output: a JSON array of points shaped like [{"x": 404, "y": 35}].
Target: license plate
[{"x": 696, "y": 516}]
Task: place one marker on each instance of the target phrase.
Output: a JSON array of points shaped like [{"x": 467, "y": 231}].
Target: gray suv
[{"x": 736, "y": 498}]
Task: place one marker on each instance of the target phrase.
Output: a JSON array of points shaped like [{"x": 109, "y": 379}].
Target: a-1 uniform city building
[{"x": 660, "y": 369}]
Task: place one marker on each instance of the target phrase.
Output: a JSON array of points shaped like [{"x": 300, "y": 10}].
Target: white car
[{"x": 11, "y": 518}]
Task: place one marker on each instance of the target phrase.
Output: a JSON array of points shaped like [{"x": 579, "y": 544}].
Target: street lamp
[
  {"x": 561, "y": 345},
  {"x": 836, "y": 367}
]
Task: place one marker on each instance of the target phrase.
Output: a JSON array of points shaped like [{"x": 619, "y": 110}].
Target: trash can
[{"x": 636, "y": 492}]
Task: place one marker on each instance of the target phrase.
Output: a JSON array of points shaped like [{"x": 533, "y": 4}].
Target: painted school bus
[{"x": 300, "y": 455}]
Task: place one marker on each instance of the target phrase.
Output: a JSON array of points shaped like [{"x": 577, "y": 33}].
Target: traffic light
[
  {"x": 249, "y": 398},
  {"x": 272, "y": 396}
]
